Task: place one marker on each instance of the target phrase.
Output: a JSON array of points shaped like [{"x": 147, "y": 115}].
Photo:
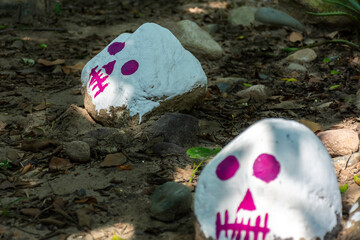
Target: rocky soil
[{"x": 65, "y": 176}]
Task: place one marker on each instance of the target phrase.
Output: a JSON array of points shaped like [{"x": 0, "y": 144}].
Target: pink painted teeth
[
  {"x": 97, "y": 79},
  {"x": 238, "y": 228}
]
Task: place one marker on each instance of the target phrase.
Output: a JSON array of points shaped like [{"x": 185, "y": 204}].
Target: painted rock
[
  {"x": 139, "y": 73},
  {"x": 274, "y": 181}
]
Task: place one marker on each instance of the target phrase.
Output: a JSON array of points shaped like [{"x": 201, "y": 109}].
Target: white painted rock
[
  {"x": 140, "y": 72},
  {"x": 197, "y": 40},
  {"x": 274, "y": 181},
  {"x": 352, "y": 226}
]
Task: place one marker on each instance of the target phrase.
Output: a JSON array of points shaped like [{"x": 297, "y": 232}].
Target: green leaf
[
  {"x": 2, "y": 26},
  {"x": 289, "y": 80},
  {"x": 333, "y": 87},
  {"x": 290, "y": 49},
  {"x": 326, "y": 60},
  {"x": 356, "y": 179},
  {"x": 28, "y": 61},
  {"x": 57, "y": 8},
  {"x": 340, "y": 4},
  {"x": 334, "y": 72},
  {"x": 43, "y": 45},
  {"x": 200, "y": 152},
  {"x": 247, "y": 84},
  {"x": 343, "y": 188},
  {"x": 115, "y": 237},
  {"x": 336, "y": 13}
]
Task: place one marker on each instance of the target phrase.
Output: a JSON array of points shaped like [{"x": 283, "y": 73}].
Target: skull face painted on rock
[
  {"x": 268, "y": 184},
  {"x": 138, "y": 71},
  {"x": 265, "y": 168}
]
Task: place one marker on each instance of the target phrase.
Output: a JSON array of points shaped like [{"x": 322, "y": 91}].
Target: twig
[
  {"x": 34, "y": 29},
  {"x": 347, "y": 161}
]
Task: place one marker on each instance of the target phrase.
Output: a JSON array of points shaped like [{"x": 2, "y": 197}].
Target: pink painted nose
[{"x": 247, "y": 203}]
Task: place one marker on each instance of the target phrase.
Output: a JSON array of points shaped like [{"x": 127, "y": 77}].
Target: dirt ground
[{"x": 42, "y": 101}]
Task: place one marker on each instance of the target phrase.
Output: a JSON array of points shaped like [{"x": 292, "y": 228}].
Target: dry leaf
[
  {"x": 83, "y": 218},
  {"x": 112, "y": 160},
  {"x": 36, "y": 145},
  {"x": 125, "y": 167},
  {"x": 40, "y": 107},
  {"x": 51, "y": 63},
  {"x": 315, "y": 127},
  {"x": 73, "y": 69},
  {"x": 295, "y": 37},
  {"x": 32, "y": 212},
  {"x": 90, "y": 200},
  {"x": 59, "y": 164},
  {"x": 52, "y": 221},
  {"x": 26, "y": 169}
]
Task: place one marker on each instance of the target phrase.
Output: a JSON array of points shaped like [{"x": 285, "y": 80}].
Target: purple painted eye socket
[
  {"x": 227, "y": 168},
  {"x": 115, "y": 47},
  {"x": 129, "y": 67},
  {"x": 266, "y": 167}
]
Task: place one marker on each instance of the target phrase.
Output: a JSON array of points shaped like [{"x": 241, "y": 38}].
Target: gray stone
[
  {"x": 340, "y": 142},
  {"x": 78, "y": 151},
  {"x": 243, "y": 16},
  {"x": 277, "y": 17},
  {"x": 197, "y": 40},
  {"x": 302, "y": 56},
  {"x": 165, "y": 148},
  {"x": 259, "y": 93},
  {"x": 177, "y": 128},
  {"x": 296, "y": 67},
  {"x": 211, "y": 28},
  {"x": 170, "y": 201}
]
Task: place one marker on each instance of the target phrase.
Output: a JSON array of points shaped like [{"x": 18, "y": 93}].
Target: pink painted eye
[
  {"x": 129, "y": 67},
  {"x": 266, "y": 167},
  {"x": 227, "y": 168},
  {"x": 115, "y": 47},
  {"x": 109, "y": 67}
]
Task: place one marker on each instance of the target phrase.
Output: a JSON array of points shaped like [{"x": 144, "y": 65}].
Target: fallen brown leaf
[
  {"x": 52, "y": 221},
  {"x": 73, "y": 69},
  {"x": 59, "y": 164},
  {"x": 295, "y": 37},
  {"x": 32, "y": 212},
  {"x": 125, "y": 167},
  {"x": 84, "y": 219},
  {"x": 36, "y": 145},
  {"x": 26, "y": 169},
  {"x": 51, "y": 63},
  {"x": 112, "y": 160},
  {"x": 315, "y": 127},
  {"x": 89, "y": 200}
]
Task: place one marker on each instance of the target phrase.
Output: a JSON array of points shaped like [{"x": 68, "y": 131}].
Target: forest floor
[{"x": 87, "y": 201}]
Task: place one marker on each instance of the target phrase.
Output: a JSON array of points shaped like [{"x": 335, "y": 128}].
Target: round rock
[
  {"x": 197, "y": 40},
  {"x": 78, "y": 151},
  {"x": 170, "y": 201},
  {"x": 269, "y": 182},
  {"x": 243, "y": 16},
  {"x": 302, "y": 56},
  {"x": 340, "y": 142}
]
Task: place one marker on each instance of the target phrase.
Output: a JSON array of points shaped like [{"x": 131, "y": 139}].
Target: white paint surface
[
  {"x": 165, "y": 70},
  {"x": 354, "y": 207},
  {"x": 302, "y": 202}
]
